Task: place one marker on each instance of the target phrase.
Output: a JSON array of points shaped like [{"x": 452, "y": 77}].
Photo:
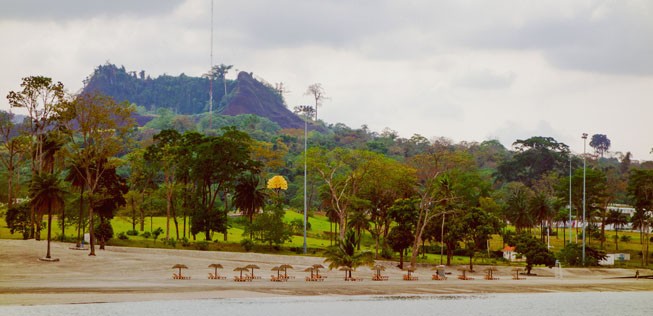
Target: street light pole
[
  {"x": 584, "y": 214},
  {"x": 305, "y": 160},
  {"x": 570, "y": 226},
  {"x": 307, "y": 110}
]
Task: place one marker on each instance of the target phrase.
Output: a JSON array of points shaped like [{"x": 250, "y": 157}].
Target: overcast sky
[{"x": 465, "y": 70}]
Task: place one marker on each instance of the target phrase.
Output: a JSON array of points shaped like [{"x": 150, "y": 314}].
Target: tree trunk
[
  {"x": 47, "y": 256},
  {"x": 401, "y": 259},
  {"x": 133, "y": 205},
  {"x": 91, "y": 228},
  {"x": 471, "y": 261},
  {"x": 81, "y": 217}
]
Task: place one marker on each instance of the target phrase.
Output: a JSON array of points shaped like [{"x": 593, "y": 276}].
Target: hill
[{"x": 190, "y": 95}]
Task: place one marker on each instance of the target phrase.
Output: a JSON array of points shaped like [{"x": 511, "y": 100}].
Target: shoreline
[{"x": 121, "y": 274}]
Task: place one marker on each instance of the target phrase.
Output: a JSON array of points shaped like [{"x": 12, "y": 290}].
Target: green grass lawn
[{"x": 318, "y": 238}]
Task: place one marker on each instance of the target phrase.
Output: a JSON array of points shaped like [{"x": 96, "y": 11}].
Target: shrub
[
  {"x": 202, "y": 245},
  {"x": 132, "y": 232},
  {"x": 171, "y": 242},
  {"x": 185, "y": 242},
  {"x": 146, "y": 235},
  {"x": 625, "y": 238},
  {"x": 122, "y": 236},
  {"x": 247, "y": 244}
]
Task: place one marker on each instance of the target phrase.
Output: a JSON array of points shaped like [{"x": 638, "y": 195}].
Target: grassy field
[{"x": 318, "y": 238}]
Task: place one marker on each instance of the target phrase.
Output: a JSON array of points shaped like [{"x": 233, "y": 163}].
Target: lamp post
[
  {"x": 584, "y": 219},
  {"x": 307, "y": 110},
  {"x": 570, "y": 199}
]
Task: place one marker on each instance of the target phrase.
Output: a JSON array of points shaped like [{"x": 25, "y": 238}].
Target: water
[{"x": 536, "y": 304}]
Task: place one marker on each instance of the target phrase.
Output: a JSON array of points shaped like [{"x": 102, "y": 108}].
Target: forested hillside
[{"x": 190, "y": 95}]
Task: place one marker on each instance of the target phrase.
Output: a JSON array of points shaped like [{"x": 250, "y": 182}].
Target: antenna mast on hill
[{"x": 211, "y": 73}]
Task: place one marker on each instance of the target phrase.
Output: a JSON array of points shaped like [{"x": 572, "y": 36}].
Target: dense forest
[
  {"x": 190, "y": 95},
  {"x": 86, "y": 160}
]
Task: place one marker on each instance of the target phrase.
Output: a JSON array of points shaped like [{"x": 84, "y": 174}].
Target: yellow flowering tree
[{"x": 278, "y": 183}]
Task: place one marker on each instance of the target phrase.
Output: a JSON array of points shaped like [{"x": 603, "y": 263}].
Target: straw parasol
[
  {"x": 285, "y": 268},
  {"x": 311, "y": 270},
  {"x": 317, "y": 268},
  {"x": 409, "y": 270},
  {"x": 180, "y": 266},
  {"x": 347, "y": 271},
  {"x": 252, "y": 266},
  {"x": 278, "y": 270},
  {"x": 241, "y": 269},
  {"x": 216, "y": 266},
  {"x": 378, "y": 269}
]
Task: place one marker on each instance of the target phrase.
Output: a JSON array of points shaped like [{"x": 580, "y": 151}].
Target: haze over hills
[{"x": 190, "y": 95}]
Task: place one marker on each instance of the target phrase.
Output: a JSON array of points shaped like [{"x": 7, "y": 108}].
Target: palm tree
[
  {"x": 76, "y": 179},
  {"x": 47, "y": 192},
  {"x": 359, "y": 222},
  {"x": 344, "y": 254},
  {"x": 249, "y": 196},
  {"x": 618, "y": 219}
]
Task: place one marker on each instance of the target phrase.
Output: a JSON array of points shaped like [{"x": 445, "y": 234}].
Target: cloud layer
[{"x": 467, "y": 70}]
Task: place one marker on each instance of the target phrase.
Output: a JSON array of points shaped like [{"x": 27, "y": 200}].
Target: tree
[
  {"x": 405, "y": 213},
  {"x": 516, "y": 197},
  {"x": 572, "y": 254},
  {"x": 220, "y": 72},
  {"x": 344, "y": 254},
  {"x": 399, "y": 239},
  {"x": 17, "y": 219},
  {"x": 534, "y": 250},
  {"x": 42, "y": 98},
  {"x": 163, "y": 151},
  {"x": 477, "y": 226},
  {"x": 218, "y": 163},
  {"x": 640, "y": 190},
  {"x": 14, "y": 151},
  {"x": 600, "y": 143},
  {"x": 249, "y": 197},
  {"x": 47, "y": 193},
  {"x": 534, "y": 157},
  {"x": 268, "y": 227},
  {"x": 317, "y": 92},
  {"x": 97, "y": 128},
  {"x": 617, "y": 219}
]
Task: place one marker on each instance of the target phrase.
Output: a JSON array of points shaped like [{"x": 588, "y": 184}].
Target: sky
[{"x": 464, "y": 70}]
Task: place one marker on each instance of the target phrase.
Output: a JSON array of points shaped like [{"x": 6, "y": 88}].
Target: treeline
[{"x": 404, "y": 192}]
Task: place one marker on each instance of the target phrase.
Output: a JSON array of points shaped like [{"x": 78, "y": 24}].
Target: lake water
[{"x": 537, "y": 304}]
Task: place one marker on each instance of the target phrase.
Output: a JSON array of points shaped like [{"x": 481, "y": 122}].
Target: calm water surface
[{"x": 538, "y": 304}]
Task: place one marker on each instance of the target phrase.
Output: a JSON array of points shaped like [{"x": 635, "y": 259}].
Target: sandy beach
[{"x": 121, "y": 274}]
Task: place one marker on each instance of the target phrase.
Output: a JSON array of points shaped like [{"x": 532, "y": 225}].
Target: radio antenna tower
[{"x": 211, "y": 74}]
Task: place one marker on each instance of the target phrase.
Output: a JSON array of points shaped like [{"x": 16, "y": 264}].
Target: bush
[
  {"x": 572, "y": 255},
  {"x": 386, "y": 253},
  {"x": 185, "y": 242},
  {"x": 146, "y": 235},
  {"x": 247, "y": 244},
  {"x": 202, "y": 245},
  {"x": 122, "y": 236},
  {"x": 625, "y": 238},
  {"x": 171, "y": 242},
  {"x": 132, "y": 232}
]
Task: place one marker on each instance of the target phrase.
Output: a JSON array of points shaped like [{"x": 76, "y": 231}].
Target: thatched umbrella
[
  {"x": 378, "y": 269},
  {"x": 252, "y": 266},
  {"x": 310, "y": 269},
  {"x": 490, "y": 272},
  {"x": 180, "y": 266},
  {"x": 409, "y": 270},
  {"x": 285, "y": 268},
  {"x": 347, "y": 271},
  {"x": 241, "y": 269},
  {"x": 317, "y": 268},
  {"x": 278, "y": 269},
  {"x": 216, "y": 266}
]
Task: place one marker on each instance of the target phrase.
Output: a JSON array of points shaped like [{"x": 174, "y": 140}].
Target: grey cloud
[
  {"x": 618, "y": 42},
  {"x": 486, "y": 79},
  {"x": 81, "y": 9}
]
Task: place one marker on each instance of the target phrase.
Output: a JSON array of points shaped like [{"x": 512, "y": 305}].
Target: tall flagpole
[{"x": 211, "y": 74}]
